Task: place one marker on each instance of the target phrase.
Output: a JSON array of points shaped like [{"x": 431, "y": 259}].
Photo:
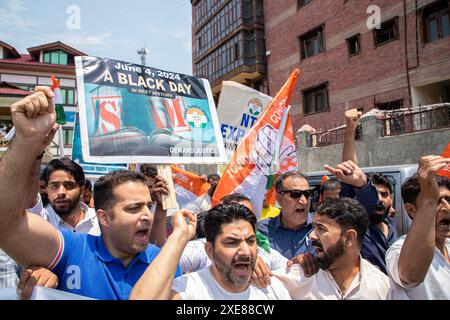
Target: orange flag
[
  {"x": 252, "y": 161},
  {"x": 189, "y": 188},
  {"x": 446, "y": 171}
]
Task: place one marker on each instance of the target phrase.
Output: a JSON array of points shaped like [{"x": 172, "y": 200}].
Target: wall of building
[
  {"x": 377, "y": 75},
  {"x": 375, "y": 150}
]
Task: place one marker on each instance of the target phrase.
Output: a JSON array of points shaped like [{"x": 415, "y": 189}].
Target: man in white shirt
[
  {"x": 419, "y": 261},
  {"x": 339, "y": 228},
  {"x": 231, "y": 247},
  {"x": 194, "y": 256},
  {"x": 64, "y": 179}
]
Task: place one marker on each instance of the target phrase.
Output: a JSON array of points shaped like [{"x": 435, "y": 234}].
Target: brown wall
[{"x": 376, "y": 75}]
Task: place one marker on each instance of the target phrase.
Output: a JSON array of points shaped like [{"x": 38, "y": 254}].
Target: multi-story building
[
  {"x": 228, "y": 42},
  {"x": 345, "y": 62},
  {"x": 20, "y": 73}
]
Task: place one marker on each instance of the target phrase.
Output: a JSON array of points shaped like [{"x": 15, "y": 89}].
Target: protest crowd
[{"x": 115, "y": 239}]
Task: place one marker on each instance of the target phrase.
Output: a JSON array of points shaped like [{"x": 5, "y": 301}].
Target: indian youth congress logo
[
  {"x": 255, "y": 107},
  {"x": 196, "y": 117}
]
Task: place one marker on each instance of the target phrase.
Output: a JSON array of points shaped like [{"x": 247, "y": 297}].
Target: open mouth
[
  {"x": 242, "y": 268},
  {"x": 300, "y": 210},
  {"x": 444, "y": 224},
  {"x": 142, "y": 236},
  {"x": 380, "y": 210}
]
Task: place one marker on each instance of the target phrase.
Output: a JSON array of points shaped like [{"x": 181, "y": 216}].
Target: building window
[
  {"x": 353, "y": 45},
  {"x": 312, "y": 42},
  {"x": 68, "y": 96},
  {"x": 387, "y": 32},
  {"x": 56, "y": 57},
  {"x": 391, "y": 105},
  {"x": 436, "y": 23},
  {"x": 315, "y": 99},
  {"x": 302, "y": 3},
  {"x": 67, "y": 137}
]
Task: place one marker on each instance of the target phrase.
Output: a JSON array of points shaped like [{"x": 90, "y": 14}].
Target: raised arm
[
  {"x": 27, "y": 238},
  {"x": 30, "y": 200},
  {"x": 418, "y": 249},
  {"x": 156, "y": 282},
  {"x": 352, "y": 120}
]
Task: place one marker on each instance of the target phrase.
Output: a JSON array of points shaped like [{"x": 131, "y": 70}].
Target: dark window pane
[
  {"x": 432, "y": 30},
  {"x": 445, "y": 23},
  {"x": 316, "y": 99},
  {"x": 387, "y": 32}
]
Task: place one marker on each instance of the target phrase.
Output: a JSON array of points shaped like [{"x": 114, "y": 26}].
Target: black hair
[
  {"x": 43, "y": 173},
  {"x": 104, "y": 187},
  {"x": 279, "y": 181},
  {"x": 88, "y": 185},
  {"x": 411, "y": 187},
  {"x": 67, "y": 165},
  {"x": 200, "y": 229},
  {"x": 348, "y": 213},
  {"x": 379, "y": 178},
  {"x": 214, "y": 176},
  {"x": 211, "y": 190},
  {"x": 149, "y": 170},
  {"x": 235, "y": 198},
  {"x": 225, "y": 214}
]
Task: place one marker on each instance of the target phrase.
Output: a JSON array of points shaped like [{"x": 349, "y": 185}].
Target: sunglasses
[{"x": 297, "y": 194}]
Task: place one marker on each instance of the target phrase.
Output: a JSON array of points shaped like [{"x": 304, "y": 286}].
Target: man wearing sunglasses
[{"x": 288, "y": 232}]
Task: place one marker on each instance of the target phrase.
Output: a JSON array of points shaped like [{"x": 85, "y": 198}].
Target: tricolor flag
[
  {"x": 59, "y": 107},
  {"x": 190, "y": 189},
  {"x": 267, "y": 148}
]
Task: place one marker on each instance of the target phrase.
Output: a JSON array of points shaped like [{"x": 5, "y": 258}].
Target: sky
[{"x": 108, "y": 29}]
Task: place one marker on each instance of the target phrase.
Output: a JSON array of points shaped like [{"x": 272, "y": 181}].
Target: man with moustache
[
  {"x": 231, "y": 246},
  {"x": 420, "y": 260},
  {"x": 382, "y": 232},
  {"x": 339, "y": 228},
  {"x": 101, "y": 267},
  {"x": 65, "y": 182}
]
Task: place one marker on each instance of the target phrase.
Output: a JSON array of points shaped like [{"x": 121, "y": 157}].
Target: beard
[
  {"x": 378, "y": 218},
  {"x": 68, "y": 210},
  {"x": 329, "y": 256},
  {"x": 227, "y": 270}
]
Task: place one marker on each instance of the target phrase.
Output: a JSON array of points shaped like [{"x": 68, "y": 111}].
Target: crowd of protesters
[{"x": 110, "y": 242}]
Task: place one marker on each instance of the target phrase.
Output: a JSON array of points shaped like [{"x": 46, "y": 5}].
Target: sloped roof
[
  {"x": 10, "y": 48},
  {"x": 34, "y": 51},
  {"x": 11, "y": 90}
]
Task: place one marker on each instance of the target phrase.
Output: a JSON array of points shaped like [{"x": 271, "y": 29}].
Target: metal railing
[
  {"x": 403, "y": 122},
  {"x": 331, "y": 136}
]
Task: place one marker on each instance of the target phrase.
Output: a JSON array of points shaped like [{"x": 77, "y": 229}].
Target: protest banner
[
  {"x": 254, "y": 160},
  {"x": 90, "y": 169},
  {"x": 41, "y": 293},
  {"x": 136, "y": 114},
  {"x": 238, "y": 110}
]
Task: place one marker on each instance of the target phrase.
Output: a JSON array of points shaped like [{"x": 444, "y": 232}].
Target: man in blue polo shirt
[{"x": 102, "y": 267}]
